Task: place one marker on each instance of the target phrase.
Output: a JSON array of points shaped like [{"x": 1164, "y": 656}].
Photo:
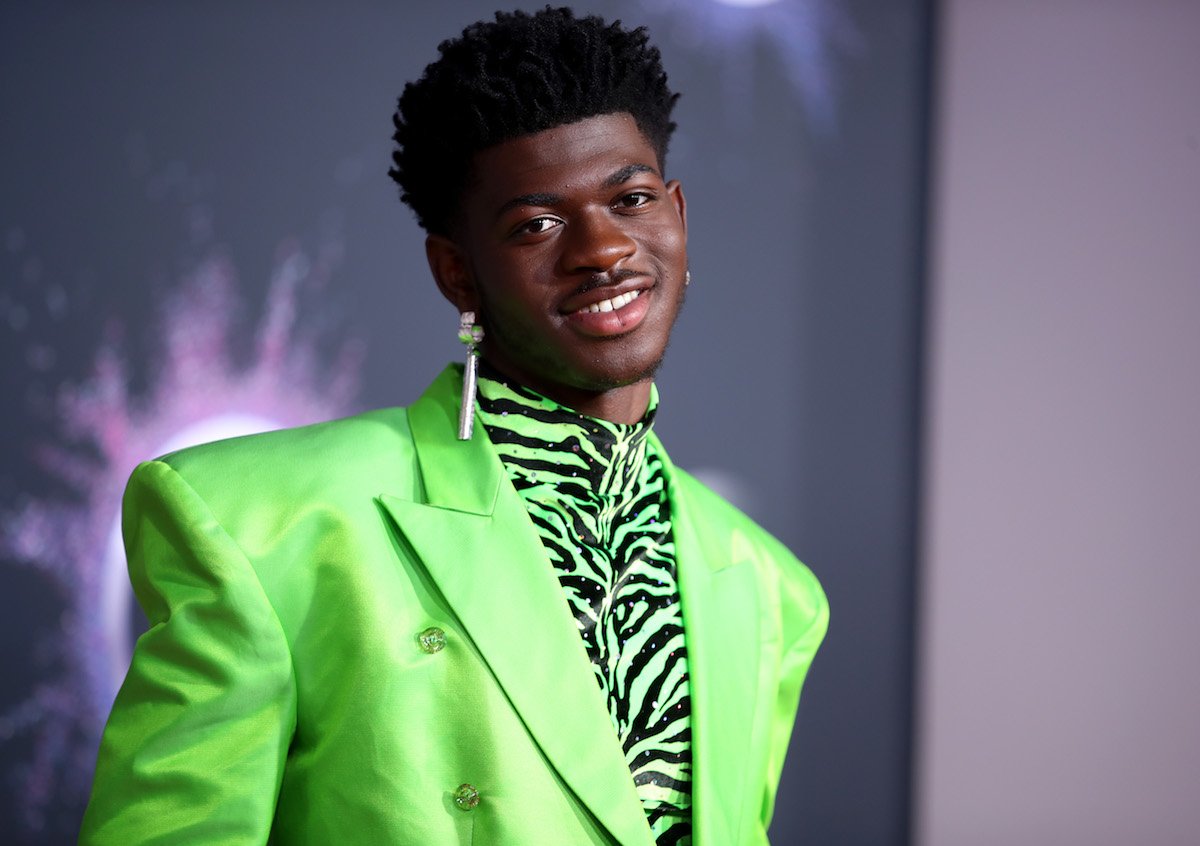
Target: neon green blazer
[{"x": 281, "y": 694}]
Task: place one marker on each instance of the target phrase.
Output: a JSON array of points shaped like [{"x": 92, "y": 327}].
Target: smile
[
  {"x": 617, "y": 302},
  {"x": 617, "y": 315}
]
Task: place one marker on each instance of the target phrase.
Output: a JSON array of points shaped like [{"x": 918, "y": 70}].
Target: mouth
[
  {"x": 613, "y": 315},
  {"x": 611, "y": 304},
  {"x": 601, "y": 297}
]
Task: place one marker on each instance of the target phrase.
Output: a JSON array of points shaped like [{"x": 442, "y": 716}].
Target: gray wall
[{"x": 1059, "y": 680}]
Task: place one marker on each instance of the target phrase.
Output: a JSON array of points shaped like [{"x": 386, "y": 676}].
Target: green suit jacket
[{"x": 280, "y": 694}]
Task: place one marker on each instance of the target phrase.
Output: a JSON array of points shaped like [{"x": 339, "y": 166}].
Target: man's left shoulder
[
  {"x": 723, "y": 517},
  {"x": 731, "y": 529}
]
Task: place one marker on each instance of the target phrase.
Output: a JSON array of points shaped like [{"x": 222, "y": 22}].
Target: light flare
[
  {"x": 806, "y": 36},
  {"x": 197, "y": 393}
]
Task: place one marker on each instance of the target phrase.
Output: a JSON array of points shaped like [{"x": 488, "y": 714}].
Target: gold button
[
  {"x": 431, "y": 640},
  {"x": 466, "y": 797}
]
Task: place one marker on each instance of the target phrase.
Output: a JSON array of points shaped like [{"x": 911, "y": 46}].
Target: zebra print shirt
[{"x": 596, "y": 494}]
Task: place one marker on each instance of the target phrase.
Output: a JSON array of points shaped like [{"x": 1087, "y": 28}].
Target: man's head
[
  {"x": 532, "y": 154},
  {"x": 514, "y": 76}
]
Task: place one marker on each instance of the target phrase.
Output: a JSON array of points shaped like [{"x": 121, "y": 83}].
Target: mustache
[{"x": 605, "y": 280}]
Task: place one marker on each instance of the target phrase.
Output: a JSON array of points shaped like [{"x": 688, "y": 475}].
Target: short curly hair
[{"x": 520, "y": 74}]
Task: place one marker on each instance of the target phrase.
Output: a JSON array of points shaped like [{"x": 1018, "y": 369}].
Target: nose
[{"x": 596, "y": 242}]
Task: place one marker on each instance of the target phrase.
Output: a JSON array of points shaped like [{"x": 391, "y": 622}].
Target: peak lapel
[
  {"x": 720, "y": 594},
  {"x": 475, "y": 539}
]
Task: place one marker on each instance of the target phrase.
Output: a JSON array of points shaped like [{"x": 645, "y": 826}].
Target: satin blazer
[{"x": 283, "y": 693}]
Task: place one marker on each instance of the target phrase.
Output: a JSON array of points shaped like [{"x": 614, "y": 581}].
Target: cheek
[
  {"x": 670, "y": 244},
  {"x": 512, "y": 312},
  {"x": 500, "y": 282}
]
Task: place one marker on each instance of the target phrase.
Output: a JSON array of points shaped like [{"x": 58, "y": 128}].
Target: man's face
[{"x": 575, "y": 251}]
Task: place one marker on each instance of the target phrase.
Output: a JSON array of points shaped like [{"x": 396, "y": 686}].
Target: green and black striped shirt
[{"x": 596, "y": 493}]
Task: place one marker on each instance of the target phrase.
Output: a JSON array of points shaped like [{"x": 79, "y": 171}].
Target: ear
[
  {"x": 451, "y": 272},
  {"x": 675, "y": 192}
]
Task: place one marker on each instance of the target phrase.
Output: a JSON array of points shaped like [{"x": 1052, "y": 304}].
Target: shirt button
[
  {"x": 466, "y": 797},
  {"x": 431, "y": 640}
]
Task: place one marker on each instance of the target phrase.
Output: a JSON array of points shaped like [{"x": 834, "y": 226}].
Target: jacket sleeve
[
  {"x": 193, "y": 751},
  {"x": 804, "y": 619}
]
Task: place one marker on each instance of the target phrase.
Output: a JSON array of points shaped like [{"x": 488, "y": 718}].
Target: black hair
[{"x": 520, "y": 74}]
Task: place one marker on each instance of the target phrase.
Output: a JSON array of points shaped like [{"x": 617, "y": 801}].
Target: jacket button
[
  {"x": 431, "y": 640},
  {"x": 466, "y": 797}
]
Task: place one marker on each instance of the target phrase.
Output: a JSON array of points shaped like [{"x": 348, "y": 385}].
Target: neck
[{"x": 542, "y": 442}]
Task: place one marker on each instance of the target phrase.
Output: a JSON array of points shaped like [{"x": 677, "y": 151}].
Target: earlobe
[{"x": 451, "y": 273}]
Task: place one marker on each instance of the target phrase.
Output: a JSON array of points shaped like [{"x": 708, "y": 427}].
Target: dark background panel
[{"x": 143, "y": 142}]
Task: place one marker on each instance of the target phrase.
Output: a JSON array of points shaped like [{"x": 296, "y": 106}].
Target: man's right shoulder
[{"x": 365, "y": 449}]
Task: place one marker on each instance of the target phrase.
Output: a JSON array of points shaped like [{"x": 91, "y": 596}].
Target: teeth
[{"x": 613, "y": 304}]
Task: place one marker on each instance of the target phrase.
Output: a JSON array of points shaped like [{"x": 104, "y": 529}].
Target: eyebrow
[
  {"x": 543, "y": 199},
  {"x": 530, "y": 200},
  {"x": 627, "y": 172}
]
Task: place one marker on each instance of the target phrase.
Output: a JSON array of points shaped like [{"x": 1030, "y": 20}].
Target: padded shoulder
[
  {"x": 804, "y": 607},
  {"x": 369, "y": 453}
]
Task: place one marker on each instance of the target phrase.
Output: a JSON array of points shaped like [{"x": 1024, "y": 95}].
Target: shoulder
[
  {"x": 373, "y": 449},
  {"x": 719, "y": 515},
  {"x": 800, "y": 600},
  {"x": 322, "y": 443}
]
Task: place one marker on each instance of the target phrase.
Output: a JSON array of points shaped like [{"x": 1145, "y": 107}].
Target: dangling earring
[
  {"x": 470, "y": 333},
  {"x": 687, "y": 278}
]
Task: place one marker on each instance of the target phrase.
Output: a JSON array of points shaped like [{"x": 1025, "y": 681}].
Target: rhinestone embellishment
[
  {"x": 466, "y": 797},
  {"x": 431, "y": 640}
]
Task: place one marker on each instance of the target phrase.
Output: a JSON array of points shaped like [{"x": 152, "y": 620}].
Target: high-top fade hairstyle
[{"x": 517, "y": 75}]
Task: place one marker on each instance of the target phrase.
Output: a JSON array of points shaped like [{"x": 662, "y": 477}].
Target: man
[{"x": 532, "y": 630}]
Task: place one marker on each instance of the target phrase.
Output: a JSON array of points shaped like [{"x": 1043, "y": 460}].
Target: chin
[
  {"x": 569, "y": 362},
  {"x": 625, "y": 373}
]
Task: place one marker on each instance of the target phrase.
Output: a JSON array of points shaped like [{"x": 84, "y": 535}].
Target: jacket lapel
[
  {"x": 474, "y": 537},
  {"x": 719, "y": 593}
]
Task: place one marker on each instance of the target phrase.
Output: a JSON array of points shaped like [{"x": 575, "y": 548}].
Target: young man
[{"x": 538, "y": 631}]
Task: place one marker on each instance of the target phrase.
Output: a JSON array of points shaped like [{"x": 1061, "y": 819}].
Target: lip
[
  {"x": 603, "y": 324},
  {"x": 600, "y": 293}
]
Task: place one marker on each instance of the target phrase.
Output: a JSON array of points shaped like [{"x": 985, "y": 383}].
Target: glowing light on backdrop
[
  {"x": 804, "y": 35},
  {"x": 198, "y": 393}
]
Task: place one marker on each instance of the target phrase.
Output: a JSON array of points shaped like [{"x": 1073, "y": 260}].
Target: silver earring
[
  {"x": 470, "y": 333},
  {"x": 687, "y": 278}
]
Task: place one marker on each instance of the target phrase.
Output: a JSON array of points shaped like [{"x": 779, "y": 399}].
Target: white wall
[{"x": 1060, "y": 693}]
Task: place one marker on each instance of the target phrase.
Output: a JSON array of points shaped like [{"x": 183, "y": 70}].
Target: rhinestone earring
[
  {"x": 687, "y": 278},
  {"x": 470, "y": 333}
]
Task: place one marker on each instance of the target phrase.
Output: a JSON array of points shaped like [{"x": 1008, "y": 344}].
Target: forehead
[{"x": 576, "y": 155}]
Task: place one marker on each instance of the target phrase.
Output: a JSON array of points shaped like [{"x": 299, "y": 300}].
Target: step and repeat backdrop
[{"x": 198, "y": 239}]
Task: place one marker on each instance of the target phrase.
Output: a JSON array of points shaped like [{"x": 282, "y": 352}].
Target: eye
[
  {"x": 635, "y": 199},
  {"x": 537, "y": 226}
]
